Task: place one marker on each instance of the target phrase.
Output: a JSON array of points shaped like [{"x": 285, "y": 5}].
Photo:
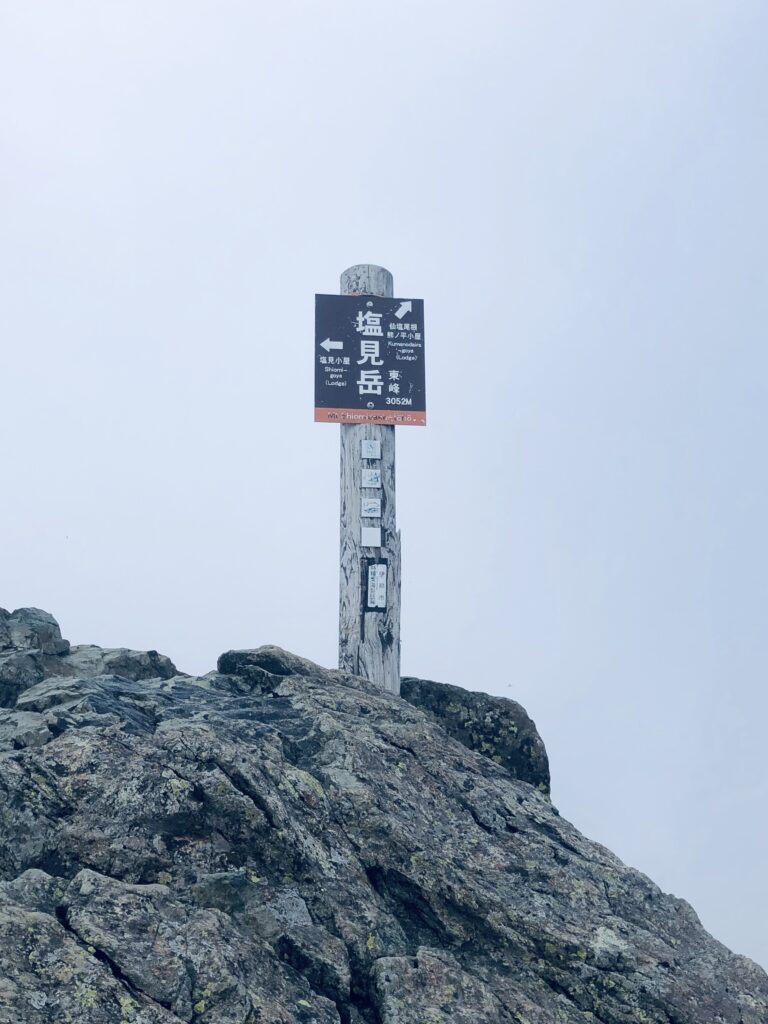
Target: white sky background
[{"x": 578, "y": 192}]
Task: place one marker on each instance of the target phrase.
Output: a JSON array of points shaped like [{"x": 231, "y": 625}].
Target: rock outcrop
[
  {"x": 493, "y": 726},
  {"x": 275, "y": 842}
]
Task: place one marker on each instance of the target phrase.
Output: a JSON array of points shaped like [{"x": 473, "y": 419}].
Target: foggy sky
[{"x": 578, "y": 193}]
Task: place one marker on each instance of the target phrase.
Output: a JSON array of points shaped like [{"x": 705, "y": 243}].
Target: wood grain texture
[{"x": 369, "y": 641}]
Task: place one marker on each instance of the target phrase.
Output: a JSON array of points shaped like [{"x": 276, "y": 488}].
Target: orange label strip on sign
[{"x": 384, "y": 417}]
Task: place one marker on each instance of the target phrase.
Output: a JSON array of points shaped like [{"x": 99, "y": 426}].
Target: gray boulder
[
  {"x": 87, "y": 660},
  {"x": 31, "y": 629},
  {"x": 30, "y": 641},
  {"x": 23, "y": 729},
  {"x": 18, "y": 671},
  {"x": 32, "y": 650}
]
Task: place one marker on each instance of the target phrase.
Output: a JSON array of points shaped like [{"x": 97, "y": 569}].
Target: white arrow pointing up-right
[{"x": 405, "y": 307}]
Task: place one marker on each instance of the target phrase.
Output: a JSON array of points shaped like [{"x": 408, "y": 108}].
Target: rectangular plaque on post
[
  {"x": 370, "y": 449},
  {"x": 370, "y": 508},
  {"x": 376, "y": 595},
  {"x": 370, "y": 536}
]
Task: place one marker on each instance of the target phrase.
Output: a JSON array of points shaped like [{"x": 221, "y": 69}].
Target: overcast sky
[{"x": 578, "y": 192}]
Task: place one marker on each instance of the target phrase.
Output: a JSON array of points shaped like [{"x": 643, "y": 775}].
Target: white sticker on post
[
  {"x": 377, "y": 585},
  {"x": 371, "y": 478},
  {"x": 370, "y": 449},
  {"x": 370, "y": 508},
  {"x": 370, "y": 536}
]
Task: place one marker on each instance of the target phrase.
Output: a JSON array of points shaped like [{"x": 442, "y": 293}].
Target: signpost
[{"x": 369, "y": 378}]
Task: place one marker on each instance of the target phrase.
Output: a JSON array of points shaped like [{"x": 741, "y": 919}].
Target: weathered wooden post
[
  {"x": 369, "y": 641},
  {"x": 370, "y": 378}
]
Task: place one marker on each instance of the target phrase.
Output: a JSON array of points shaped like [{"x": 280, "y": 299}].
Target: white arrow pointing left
[{"x": 328, "y": 344}]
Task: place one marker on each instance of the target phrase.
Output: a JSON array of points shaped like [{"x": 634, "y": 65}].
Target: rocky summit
[{"x": 276, "y": 842}]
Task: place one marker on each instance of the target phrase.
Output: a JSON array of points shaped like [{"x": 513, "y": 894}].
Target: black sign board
[{"x": 369, "y": 360}]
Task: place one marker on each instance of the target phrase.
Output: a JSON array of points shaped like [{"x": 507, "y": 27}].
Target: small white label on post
[
  {"x": 371, "y": 478},
  {"x": 370, "y": 536},
  {"x": 370, "y": 508},
  {"x": 370, "y": 449},
  {"x": 377, "y": 586}
]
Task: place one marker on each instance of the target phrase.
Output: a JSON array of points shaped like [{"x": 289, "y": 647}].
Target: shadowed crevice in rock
[
  {"x": 63, "y": 918},
  {"x": 407, "y": 904}
]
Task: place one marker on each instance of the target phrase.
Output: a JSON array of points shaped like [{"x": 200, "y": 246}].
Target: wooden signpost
[{"x": 369, "y": 377}]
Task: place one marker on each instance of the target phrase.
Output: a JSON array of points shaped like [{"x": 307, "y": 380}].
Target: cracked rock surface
[{"x": 275, "y": 843}]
